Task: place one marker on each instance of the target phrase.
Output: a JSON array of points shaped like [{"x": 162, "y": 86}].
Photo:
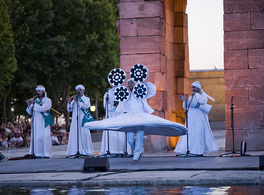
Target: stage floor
[{"x": 156, "y": 163}]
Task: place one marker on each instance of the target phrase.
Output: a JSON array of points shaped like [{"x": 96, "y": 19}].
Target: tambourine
[
  {"x": 121, "y": 93},
  {"x": 117, "y": 77},
  {"x": 140, "y": 91},
  {"x": 139, "y": 73},
  {"x": 203, "y": 107}
]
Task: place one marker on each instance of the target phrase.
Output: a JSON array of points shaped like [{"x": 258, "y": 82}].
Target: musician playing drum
[
  {"x": 200, "y": 138},
  {"x": 38, "y": 107}
]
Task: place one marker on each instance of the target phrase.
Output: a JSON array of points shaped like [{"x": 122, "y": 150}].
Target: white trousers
[{"x": 137, "y": 145}]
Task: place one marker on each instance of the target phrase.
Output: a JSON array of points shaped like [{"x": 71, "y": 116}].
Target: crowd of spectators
[{"x": 17, "y": 134}]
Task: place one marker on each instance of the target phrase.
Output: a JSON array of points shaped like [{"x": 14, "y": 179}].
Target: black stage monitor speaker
[
  {"x": 243, "y": 148},
  {"x": 261, "y": 162},
  {"x": 1, "y": 156},
  {"x": 96, "y": 165}
]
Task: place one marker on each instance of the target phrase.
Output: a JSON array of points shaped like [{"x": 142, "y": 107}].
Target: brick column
[
  {"x": 150, "y": 35},
  {"x": 244, "y": 71}
]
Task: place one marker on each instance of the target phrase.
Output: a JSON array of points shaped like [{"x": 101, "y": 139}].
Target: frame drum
[
  {"x": 139, "y": 73},
  {"x": 121, "y": 93},
  {"x": 117, "y": 77},
  {"x": 203, "y": 107},
  {"x": 140, "y": 91}
]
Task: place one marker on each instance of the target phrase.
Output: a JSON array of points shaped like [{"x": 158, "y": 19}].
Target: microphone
[{"x": 232, "y": 97}]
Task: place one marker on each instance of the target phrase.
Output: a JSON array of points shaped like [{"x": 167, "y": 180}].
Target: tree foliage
[
  {"x": 60, "y": 44},
  {"x": 7, "y": 50}
]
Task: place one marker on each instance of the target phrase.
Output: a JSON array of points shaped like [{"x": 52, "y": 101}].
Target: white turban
[
  {"x": 79, "y": 87},
  {"x": 198, "y": 85},
  {"x": 40, "y": 88}
]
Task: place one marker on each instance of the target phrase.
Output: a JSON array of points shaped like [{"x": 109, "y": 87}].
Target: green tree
[
  {"x": 62, "y": 43},
  {"x": 7, "y": 55},
  {"x": 31, "y": 20}
]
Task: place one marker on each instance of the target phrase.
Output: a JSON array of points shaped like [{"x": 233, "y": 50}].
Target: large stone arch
[{"x": 155, "y": 33}]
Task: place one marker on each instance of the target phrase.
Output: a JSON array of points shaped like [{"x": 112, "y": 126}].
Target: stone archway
[{"x": 155, "y": 33}]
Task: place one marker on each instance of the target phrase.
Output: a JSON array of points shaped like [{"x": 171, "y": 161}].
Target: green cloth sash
[
  {"x": 87, "y": 115},
  {"x": 46, "y": 115},
  {"x": 48, "y": 118}
]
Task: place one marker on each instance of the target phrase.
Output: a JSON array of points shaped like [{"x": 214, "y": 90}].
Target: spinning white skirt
[{"x": 132, "y": 122}]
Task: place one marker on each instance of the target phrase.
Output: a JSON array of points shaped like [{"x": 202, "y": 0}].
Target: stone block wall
[
  {"x": 244, "y": 70},
  {"x": 155, "y": 33}
]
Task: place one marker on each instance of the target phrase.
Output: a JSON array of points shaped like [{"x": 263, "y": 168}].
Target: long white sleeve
[
  {"x": 70, "y": 106},
  {"x": 29, "y": 109},
  {"x": 200, "y": 98}
]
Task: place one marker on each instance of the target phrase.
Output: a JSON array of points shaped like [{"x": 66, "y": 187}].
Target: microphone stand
[
  {"x": 186, "y": 115},
  {"x": 126, "y": 153},
  {"x": 107, "y": 116},
  {"x": 108, "y": 153},
  {"x": 33, "y": 132},
  {"x": 233, "y": 153},
  {"x": 78, "y": 154}
]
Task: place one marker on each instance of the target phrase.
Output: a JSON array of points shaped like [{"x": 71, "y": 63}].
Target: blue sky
[{"x": 205, "y": 20}]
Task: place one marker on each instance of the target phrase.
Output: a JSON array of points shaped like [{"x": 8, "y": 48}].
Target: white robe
[
  {"x": 85, "y": 141},
  {"x": 132, "y": 106},
  {"x": 40, "y": 144},
  {"x": 117, "y": 139},
  {"x": 200, "y": 136}
]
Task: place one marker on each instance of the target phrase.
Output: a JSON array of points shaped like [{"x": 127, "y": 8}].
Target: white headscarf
[
  {"x": 41, "y": 88},
  {"x": 79, "y": 87},
  {"x": 198, "y": 85}
]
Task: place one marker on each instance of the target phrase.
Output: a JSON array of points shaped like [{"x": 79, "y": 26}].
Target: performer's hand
[
  {"x": 75, "y": 98},
  {"x": 183, "y": 97},
  {"x": 68, "y": 99},
  {"x": 30, "y": 101}
]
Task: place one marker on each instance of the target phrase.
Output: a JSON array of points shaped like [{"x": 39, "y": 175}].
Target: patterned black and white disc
[
  {"x": 139, "y": 73},
  {"x": 140, "y": 91},
  {"x": 121, "y": 93},
  {"x": 117, "y": 77}
]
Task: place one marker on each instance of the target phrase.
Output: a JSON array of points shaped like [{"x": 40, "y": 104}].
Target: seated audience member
[
  {"x": 63, "y": 128},
  {"x": 54, "y": 139},
  {"x": 4, "y": 142},
  {"x": 16, "y": 141}
]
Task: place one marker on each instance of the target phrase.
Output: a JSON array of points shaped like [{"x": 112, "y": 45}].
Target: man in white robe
[
  {"x": 200, "y": 137},
  {"x": 134, "y": 105},
  {"x": 117, "y": 139},
  {"x": 82, "y": 144},
  {"x": 40, "y": 144}
]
